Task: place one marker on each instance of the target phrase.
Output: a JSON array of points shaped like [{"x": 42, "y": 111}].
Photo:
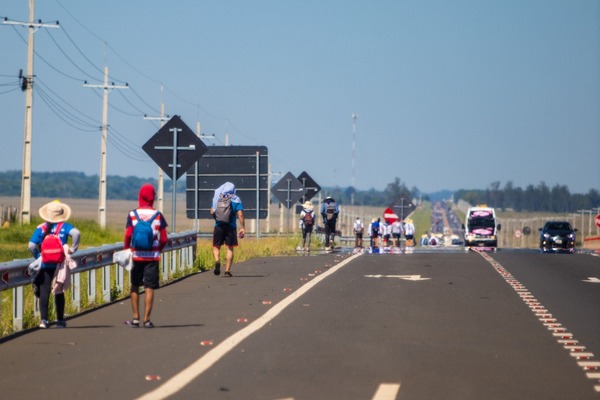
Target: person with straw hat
[
  {"x": 307, "y": 222},
  {"x": 55, "y": 215}
]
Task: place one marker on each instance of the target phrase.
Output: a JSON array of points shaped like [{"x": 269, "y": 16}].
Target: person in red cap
[{"x": 145, "y": 258}]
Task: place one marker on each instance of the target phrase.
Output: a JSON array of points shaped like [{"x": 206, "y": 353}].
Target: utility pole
[
  {"x": 354, "y": 116},
  {"x": 161, "y": 176},
  {"x": 102, "y": 191},
  {"x": 26, "y": 173}
]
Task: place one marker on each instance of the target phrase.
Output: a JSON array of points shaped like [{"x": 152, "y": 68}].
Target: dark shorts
[
  {"x": 225, "y": 235},
  {"x": 145, "y": 273}
]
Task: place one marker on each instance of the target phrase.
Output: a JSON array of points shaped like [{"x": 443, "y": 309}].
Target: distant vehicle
[
  {"x": 481, "y": 228},
  {"x": 557, "y": 236}
]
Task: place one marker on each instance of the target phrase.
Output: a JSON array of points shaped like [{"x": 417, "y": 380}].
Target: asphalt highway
[{"x": 438, "y": 324}]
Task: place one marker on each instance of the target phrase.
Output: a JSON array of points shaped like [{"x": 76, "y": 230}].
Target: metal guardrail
[{"x": 179, "y": 253}]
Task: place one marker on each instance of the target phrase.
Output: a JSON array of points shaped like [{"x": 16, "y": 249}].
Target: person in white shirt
[
  {"x": 409, "y": 232},
  {"x": 358, "y": 232},
  {"x": 397, "y": 232}
]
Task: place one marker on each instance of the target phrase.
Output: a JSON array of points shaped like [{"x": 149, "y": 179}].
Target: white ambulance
[{"x": 481, "y": 227}]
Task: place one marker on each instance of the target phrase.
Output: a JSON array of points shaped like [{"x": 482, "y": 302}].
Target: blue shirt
[{"x": 38, "y": 236}]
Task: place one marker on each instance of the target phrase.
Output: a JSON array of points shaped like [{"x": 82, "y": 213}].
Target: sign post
[
  {"x": 288, "y": 190},
  {"x": 175, "y": 148}
]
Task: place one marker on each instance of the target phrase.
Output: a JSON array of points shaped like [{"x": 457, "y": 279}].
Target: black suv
[{"x": 557, "y": 236}]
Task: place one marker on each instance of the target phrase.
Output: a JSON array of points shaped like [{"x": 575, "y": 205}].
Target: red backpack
[{"x": 52, "y": 246}]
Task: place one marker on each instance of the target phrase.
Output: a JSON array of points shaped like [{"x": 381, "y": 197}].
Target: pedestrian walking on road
[
  {"x": 397, "y": 232},
  {"x": 146, "y": 236},
  {"x": 359, "y": 228},
  {"x": 374, "y": 232},
  {"x": 409, "y": 232},
  {"x": 386, "y": 233},
  {"x": 226, "y": 209},
  {"x": 55, "y": 214},
  {"x": 330, "y": 212},
  {"x": 307, "y": 222}
]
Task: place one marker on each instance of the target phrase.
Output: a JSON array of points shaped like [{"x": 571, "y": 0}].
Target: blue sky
[{"x": 449, "y": 94}]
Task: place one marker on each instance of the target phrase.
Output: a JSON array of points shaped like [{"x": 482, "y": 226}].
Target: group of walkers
[
  {"x": 145, "y": 237},
  {"x": 381, "y": 234},
  {"x": 329, "y": 212},
  {"x": 384, "y": 234}
]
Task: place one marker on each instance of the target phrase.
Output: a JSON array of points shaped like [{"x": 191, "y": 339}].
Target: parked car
[{"x": 557, "y": 236}]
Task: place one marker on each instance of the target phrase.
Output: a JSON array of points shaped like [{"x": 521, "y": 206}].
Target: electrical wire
[
  {"x": 69, "y": 58},
  {"x": 90, "y": 120}
]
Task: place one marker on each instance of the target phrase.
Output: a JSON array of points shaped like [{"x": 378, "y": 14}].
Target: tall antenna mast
[{"x": 354, "y": 116}]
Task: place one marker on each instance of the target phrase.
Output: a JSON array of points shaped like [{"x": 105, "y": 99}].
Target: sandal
[
  {"x": 134, "y": 323},
  {"x": 148, "y": 324}
]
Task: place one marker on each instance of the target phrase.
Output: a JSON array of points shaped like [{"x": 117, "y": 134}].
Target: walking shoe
[
  {"x": 134, "y": 323},
  {"x": 148, "y": 324},
  {"x": 44, "y": 324},
  {"x": 217, "y": 268},
  {"x": 61, "y": 324},
  {"x": 228, "y": 274}
]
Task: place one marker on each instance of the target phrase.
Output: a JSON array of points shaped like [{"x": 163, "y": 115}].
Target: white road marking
[
  {"x": 404, "y": 277},
  {"x": 387, "y": 391},
  {"x": 592, "y": 280},
  {"x": 184, "y": 377}
]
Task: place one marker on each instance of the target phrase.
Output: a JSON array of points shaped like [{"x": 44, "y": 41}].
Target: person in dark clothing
[{"x": 330, "y": 212}]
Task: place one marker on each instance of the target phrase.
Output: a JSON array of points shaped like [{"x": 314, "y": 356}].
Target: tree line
[
  {"x": 81, "y": 186},
  {"x": 557, "y": 199},
  {"x": 75, "y": 185}
]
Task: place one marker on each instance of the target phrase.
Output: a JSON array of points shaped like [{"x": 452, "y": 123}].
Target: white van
[{"x": 481, "y": 227}]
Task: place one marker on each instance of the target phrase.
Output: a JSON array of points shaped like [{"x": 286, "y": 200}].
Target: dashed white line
[
  {"x": 387, "y": 391},
  {"x": 563, "y": 337}
]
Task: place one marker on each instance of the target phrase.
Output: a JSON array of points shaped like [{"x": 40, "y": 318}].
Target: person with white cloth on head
[{"x": 226, "y": 209}]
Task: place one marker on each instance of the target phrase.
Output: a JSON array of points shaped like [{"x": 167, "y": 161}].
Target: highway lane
[
  {"x": 567, "y": 285},
  {"x": 462, "y": 332}
]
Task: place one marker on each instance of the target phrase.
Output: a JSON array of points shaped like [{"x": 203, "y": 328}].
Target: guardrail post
[
  {"x": 163, "y": 264},
  {"x": 91, "y": 286},
  {"x": 76, "y": 291},
  {"x": 106, "y": 283},
  {"x": 18, "y": 308},
  {"x": 120, "y": 279}
]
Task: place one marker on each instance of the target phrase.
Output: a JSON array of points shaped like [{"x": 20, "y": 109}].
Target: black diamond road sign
[
  {"x": 311, "y": 188},
  {"x": 175, "y": 148},
  {"x": 288, "y": 190}
]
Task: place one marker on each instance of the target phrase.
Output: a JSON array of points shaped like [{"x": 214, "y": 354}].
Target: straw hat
[
  {"x": 55, "y": 211},
  {"x": 308, "y": 205}
]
